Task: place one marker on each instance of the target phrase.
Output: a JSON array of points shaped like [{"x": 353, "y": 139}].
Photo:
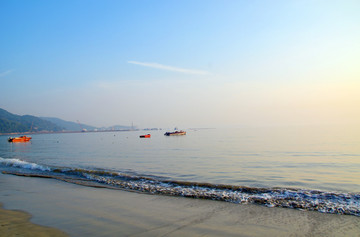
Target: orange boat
[
  {"x": 19, "y": 139},
  {"x": 145, "y": 136}
]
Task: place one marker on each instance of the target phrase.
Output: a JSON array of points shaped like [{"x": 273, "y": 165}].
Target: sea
[{"x": 304, "y": 168}]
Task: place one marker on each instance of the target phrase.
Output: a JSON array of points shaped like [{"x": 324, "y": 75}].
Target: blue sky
[{"x": 182, "y": 63}]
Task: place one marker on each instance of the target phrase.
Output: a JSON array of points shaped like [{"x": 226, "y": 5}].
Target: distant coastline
[
  {"x": 54, "y": 132},
  {"x": 13, "y": 124}
]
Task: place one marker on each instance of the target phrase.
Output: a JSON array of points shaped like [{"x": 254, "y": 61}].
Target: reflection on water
[{"x": 325, "y": 159}]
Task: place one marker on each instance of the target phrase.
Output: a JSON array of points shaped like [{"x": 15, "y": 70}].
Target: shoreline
[
  {"x": 17, "y": 223},
  {"x": 85, "y": 211}
]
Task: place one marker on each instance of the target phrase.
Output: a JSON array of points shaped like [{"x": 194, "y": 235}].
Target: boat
[
  {"x": 19, "y": 139},
  {"x": 145, "y": 136},
  {"x": 176, "y": 133}
]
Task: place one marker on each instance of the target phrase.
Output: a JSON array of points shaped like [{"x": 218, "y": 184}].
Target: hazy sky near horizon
[{"x": 182, "y": 63}]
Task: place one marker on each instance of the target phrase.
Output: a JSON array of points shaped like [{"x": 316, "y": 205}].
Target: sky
[{"x": 202, "y": 63}]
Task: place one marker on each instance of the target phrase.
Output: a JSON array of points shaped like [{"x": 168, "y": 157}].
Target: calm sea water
[{"x": 273, "y": 163}]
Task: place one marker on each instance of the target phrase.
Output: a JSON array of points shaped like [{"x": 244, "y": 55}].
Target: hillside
[{"x": 12, "y": 123}]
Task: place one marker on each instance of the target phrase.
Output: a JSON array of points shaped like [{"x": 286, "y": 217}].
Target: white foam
[
  {"x": 312, "y": 200},
  {"x": 299, "y": 199},
  {"x": 23, "y": 164}
]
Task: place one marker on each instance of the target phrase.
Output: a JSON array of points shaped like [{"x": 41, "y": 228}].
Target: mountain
[
  {"x": 12, "y": 123},
  {"x": 67, "y": 125}
]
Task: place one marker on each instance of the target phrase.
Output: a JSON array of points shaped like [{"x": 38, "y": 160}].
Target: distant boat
[
  {"x": 19, "y": 139},
  {"x": 145, "y": 136},
  {"x": 176, "y": 133}
]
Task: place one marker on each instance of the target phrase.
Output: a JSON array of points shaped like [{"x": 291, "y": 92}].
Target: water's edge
[{"x": 310, "y": 200}]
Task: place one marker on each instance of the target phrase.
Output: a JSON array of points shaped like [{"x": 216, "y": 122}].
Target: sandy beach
[
  {"x": 84, "y": 211},
  {"x": 16, "y": 223}
]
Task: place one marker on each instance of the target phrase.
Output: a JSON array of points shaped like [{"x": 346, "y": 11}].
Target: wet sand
[
  {"x": 85, "y": 211},
  {"x": 17, "y": 223}
]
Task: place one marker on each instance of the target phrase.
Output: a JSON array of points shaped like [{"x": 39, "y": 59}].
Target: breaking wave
[
  {"x": 312, "y": 200},
  {"x": 23, "y": 164}
]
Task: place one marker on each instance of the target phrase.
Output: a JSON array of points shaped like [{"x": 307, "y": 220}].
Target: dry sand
[{"x": 84, "y": 211}]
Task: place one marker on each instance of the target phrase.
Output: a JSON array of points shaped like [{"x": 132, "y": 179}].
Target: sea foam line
[
  {"x": 23, "y": 164},
  {"x": 312, "y": 200}
]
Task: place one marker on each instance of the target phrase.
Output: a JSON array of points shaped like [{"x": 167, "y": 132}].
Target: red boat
[
  {"x": 19, "y": 139},
  {"x": 145, "y": 136}
]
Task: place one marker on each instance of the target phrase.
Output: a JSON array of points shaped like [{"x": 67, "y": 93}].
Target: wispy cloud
[
  {"x": 170, "y": 68},
  {"x": 2, "y": 74}
]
